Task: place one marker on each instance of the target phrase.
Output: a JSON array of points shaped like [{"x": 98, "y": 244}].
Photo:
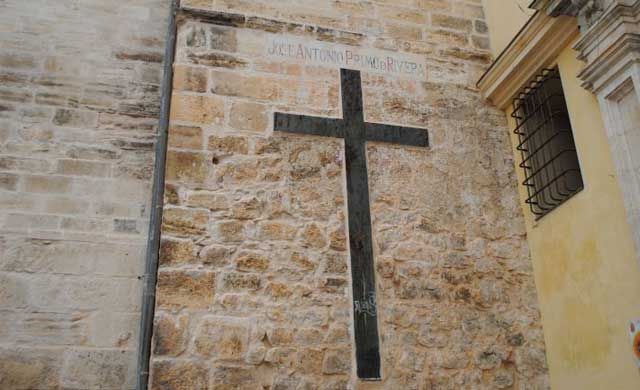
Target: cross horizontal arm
[
  {"x": 409, "y": 136},
  {"x": 309, "y": 125}
]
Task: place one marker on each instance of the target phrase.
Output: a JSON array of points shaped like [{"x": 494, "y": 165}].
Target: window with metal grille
[{"x": 549, "y": 157}]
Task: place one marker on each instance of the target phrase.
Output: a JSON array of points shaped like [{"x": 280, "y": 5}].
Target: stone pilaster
[{"x": 610, "y": 48}]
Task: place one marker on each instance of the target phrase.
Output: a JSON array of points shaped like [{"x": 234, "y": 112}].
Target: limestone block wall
[
  {"x": 79, "y": 101},
  {"x": 254, "y": 280}
]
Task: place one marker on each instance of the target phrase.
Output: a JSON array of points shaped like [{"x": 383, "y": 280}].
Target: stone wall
[
  {"x": 254, "y": 283},
  {"x": 79, "y": 102}
]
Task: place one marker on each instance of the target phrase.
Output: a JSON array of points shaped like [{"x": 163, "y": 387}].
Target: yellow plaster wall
[
  {"x": 587, "y": 279},
  {"x": 505, "y": 18}
]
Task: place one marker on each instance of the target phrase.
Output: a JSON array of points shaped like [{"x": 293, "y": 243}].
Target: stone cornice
[
  {"x": 610, "y": 45},
  {"x": 535, "y": 47}
]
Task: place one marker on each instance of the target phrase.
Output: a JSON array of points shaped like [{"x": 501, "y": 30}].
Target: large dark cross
[{"x": 356, "y": 132}]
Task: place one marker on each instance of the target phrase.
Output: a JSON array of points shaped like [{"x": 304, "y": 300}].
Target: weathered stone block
[
  {"x": 96, "y": 368},
  {"x": 249, "y": 117},
  {"x": 208, "y": 200},
  {"x": 175, "y": 251},
  {"x": 238, "y": 281},
  {"x": 228, "y": 145},
  {"x": 276, "y": 231},
  {"x": 84, "y": 168},
  {"x": 108, "y": 329},
  {"x": 75, "y": 118},
  {"x": 170, "y": 335},
  {"x": 185, "y": 289},
  {"x": 234, "y": 378},
  {"x": 251, "y": 261},
  {"x": 197, "y": 109},
  {"x": 185, "y": 137},
  {"x": 188, "y": 78},
  {"x": 278, "y": 290},
  {"x": 8, "y": 181},
  {"x": 186, "y": 166},
  {"x": 314, "y": 236},
  {"x": 336, "y": 361},
  {"x": 251, "y": 208},
  {"x": 338, "y": 240},
  {"x": 222, "y": 338},
  {"x": 47, "y": 184},
  {"x": 179, "y": 375},
  {"x": 451, "y": 22},
  {"x": 231, "y": 231},
  {"x": 222, "y": 38},
  {"x": 32, "y": 221},
  {"x": 257, "y": 87},
  {"x": 50, "y": 329},
  {"x": 25, "y": 368},
  {"x": 216, "y": 256},
  {"x": 184, "y": 221}
]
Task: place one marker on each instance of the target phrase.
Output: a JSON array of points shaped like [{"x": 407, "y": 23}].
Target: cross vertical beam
[
  {"x": 360, "y": 241},
  {"x": 356, "y": 132}
]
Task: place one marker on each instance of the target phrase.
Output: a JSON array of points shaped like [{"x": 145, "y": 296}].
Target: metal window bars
[{"x": 549, "y": 156}]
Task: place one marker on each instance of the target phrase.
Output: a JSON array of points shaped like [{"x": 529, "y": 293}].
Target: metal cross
[{"x": 356, "y": 132}]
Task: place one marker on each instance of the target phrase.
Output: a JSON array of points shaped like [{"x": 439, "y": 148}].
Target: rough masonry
[
  {"x": 254, "y": 280},
  {"x": 79, "y": 102}
]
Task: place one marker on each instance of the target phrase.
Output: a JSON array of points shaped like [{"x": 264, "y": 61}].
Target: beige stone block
[
  {"x": 338, "y": 240},
  {"x": 216, "y": 255},
  {"x": 336, "y": 361},
  {"x": 170, "y": 335},
  {"x": 108, "y": 329},
  {"x": 314, "y": 237},
  {"x": 66, "y": 206},
  {"x": 251, "y": 261},
  {"x": 83, "y": 168},
  {"x": 239, "y": 281},
  {"x": 239, "y": 171},
  {"x": 186, "y": 166},
  {"x": 233, "y": 84},
  {"x": 96, "y": 368},
  {"x": 64, "y": 293},
  {"x": 270, "y": 230},
  {"x": 48, "y": 256},
  {"x": 185, "y": 221},
  {"x": 14, "y": 290},
  {"x": 47, "y": 184},
  {"x": 302, "y": 261},
  {"x": 228, "y": 144},
  {"x": 249, "y": 117},
  {"x": 188, "y": 78},
  {"x": 235, "y": 378},
  {"x": 174, "y": 251},
  {"x": 8, "y": 181},
  {"x": 185, "y": 137},
  {"x": 85, "y": 224},
  {"x": 222, "y": 338},
  {"x": 278, "y": 290},
  {"x": 247, "y": 209},
  {"x": 309, "y": 360},
  {"x": 75, "y": 118},
  {"x": 32, "y": 222},
  {"x": 208, "y": 200},
  {"x": 185, "y": 289},
  {"x": 179, "y": 375},
  {"x": 26, "y": 368},
  {"x": 197, "y": 109},
  {"x": 231, "y": 231},
  {"x": 19, "y": 61},
  {"x": 222, "y": 38},
  {"x": 452, "y": 22}
]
